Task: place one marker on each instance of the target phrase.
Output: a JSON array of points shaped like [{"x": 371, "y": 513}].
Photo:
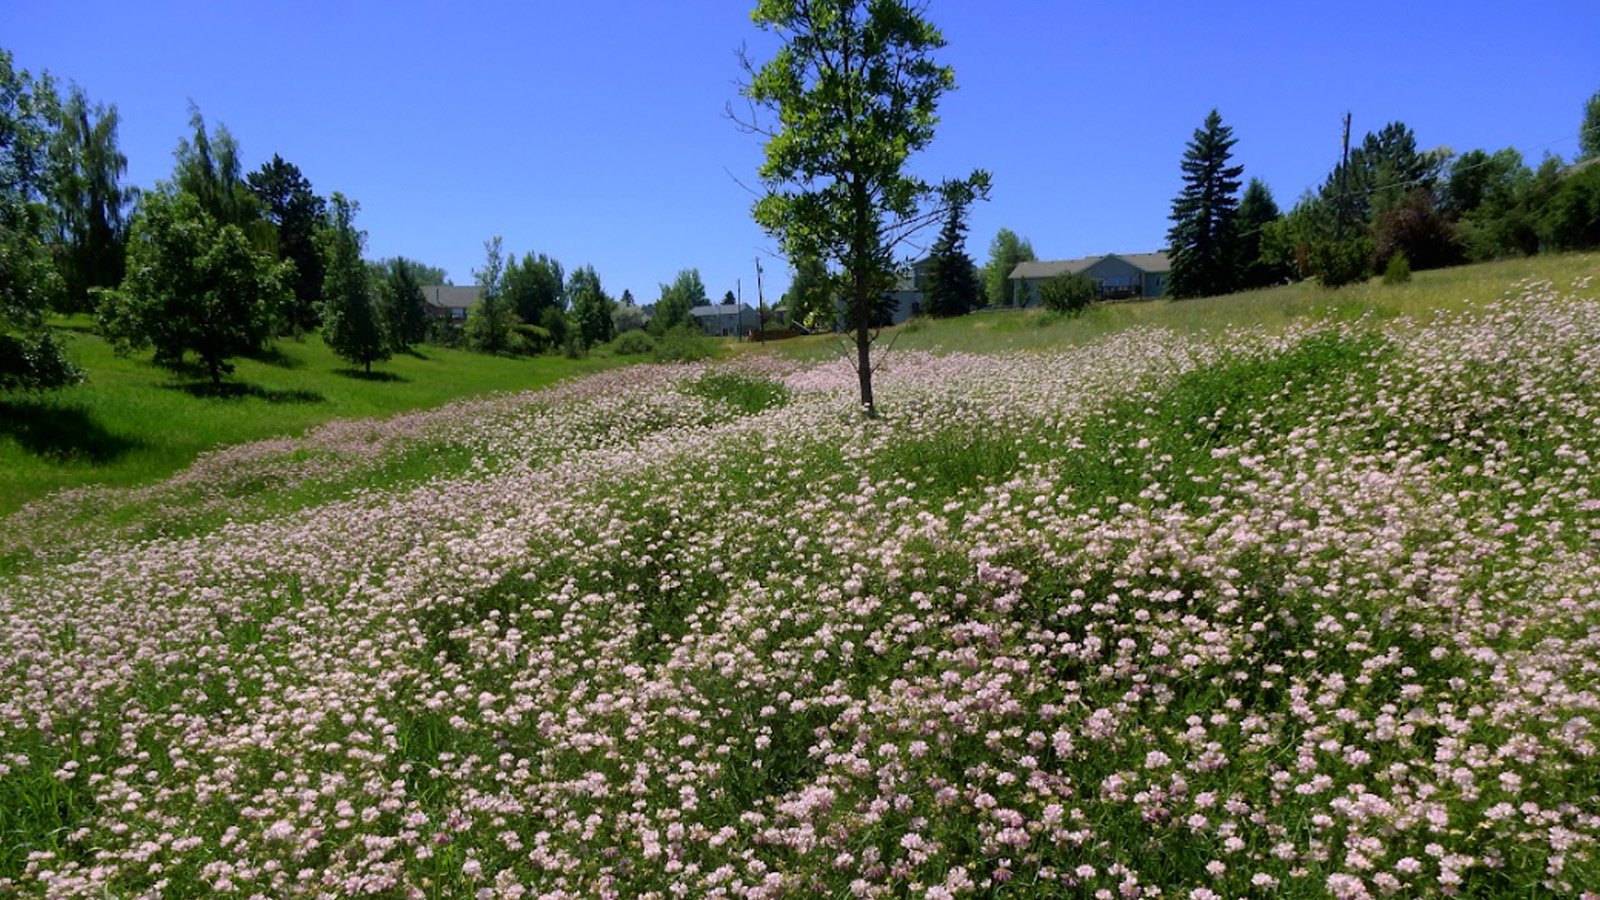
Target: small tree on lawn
[
  {"x": 490, "y": 320},
  {"x": 351, "y": 322},
  {"x": 193, "y": 285},
  {"x": 854, "y": 91}
]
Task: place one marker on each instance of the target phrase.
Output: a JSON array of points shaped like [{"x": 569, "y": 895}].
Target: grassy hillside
[
  {"x": 1427, "y": 293},
  {"x": 134, "y": 423},
  {"x": 1303, "y": 609}
]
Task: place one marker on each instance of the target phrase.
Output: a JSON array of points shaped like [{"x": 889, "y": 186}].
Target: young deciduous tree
[
  {"x": 490, "y": 321},
  {"x": 297, "y": 214},
  {"x": 853, "y": 91},
  {"x": 29, "y": 283},
  {"x": 1589, "y": 131},
  {"x": 591, "y": 308},
  {"x": 1203, "y": 239},
  {"x": 533, "y": 285},
  {"x": 810, "y": 298},
  {"x": 1005, "y": 252},
  {"x": 405, "y": 308},
  {"x": 952, "y": 278},
  {"x": 88, "y": 200},
  {"x": 683, "y": 294},
  {"x": 352, "y": 325},
  {"x": 193, "y": 285}
]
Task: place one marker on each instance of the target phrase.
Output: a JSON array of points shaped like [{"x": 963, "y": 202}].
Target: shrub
[
  {"x": 633, "y": 343},
  {"x": 1398, "y": 271},
  {"x": 1341, "y": 262},
  {"x": 1067, "y": 293},
  {"x": 684, "y": 343},
  {"x": 535, "y": 338},
  {"x": 35, "y": 362}
]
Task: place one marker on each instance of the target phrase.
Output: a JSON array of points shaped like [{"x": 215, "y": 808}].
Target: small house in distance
[
  {"x": 726, "y": 319},
  {"x": 449, "y": 302},
  {"x": 1119, "y": 276}
]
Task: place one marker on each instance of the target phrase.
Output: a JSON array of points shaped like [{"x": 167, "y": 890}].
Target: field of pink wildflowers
[{"x": 1312, "y": 613}]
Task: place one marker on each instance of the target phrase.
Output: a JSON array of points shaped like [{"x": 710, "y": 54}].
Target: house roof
[
  {"x": 720, "y": 309},
  {"x": 450, "y": 296},
  {"x": 1154, "y": 263}
]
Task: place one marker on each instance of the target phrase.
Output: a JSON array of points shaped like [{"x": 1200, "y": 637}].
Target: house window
[{"x": 458, "y": 315}]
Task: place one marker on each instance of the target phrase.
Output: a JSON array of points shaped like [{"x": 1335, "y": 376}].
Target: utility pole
[
  {"x": 1344, "y": 182},
  {"x": 761, "y": 302}
]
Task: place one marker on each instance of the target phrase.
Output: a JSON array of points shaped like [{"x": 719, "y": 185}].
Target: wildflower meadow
[{"x": 1307, "y": 612}]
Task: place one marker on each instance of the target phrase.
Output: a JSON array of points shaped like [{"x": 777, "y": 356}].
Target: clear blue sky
[{"x": 594, "y": 131}]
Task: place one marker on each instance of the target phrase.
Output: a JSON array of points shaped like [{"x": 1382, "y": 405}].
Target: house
[
  {"x": 1119, "y": 276},
  {"x": 907, "y": 300},
  {"x": 449, "y": 302},
  {"x": 726, "y": 319}
]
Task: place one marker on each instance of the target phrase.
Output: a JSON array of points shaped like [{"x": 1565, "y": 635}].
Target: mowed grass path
[
  {"x": 1440, "y": 290},
  {"x": 133, "y": 422}
]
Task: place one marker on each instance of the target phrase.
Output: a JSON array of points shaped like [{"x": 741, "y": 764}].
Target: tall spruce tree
[
  {"x": 1203, "y": 239},
  {"x": 953, "y": 279},
  {"x": 351, "y": 323}
]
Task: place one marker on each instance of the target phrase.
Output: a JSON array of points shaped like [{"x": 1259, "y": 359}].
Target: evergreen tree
[
  {"x": 405, "y": 308},
  {"x": 351, "y": 322},
  {"x": 1006, "y": 251},
  {"x": 297, "y": 214},
  {"x": 1203, "y": 239},
  {"x": 491, "y": 319},
  {"x": 1257, "y": 210},
  {"x": 953, "y": 279},
  {"x": 88, "y": 200},
  {"x": 591, "y": 308}
]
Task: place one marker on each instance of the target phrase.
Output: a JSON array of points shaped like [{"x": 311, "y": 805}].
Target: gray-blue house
[
  {"x": 726, "y": 319},
  {"x": 1119, "y": 276}
]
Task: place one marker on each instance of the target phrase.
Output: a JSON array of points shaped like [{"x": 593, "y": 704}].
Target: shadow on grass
[
  {"x": 61, "y": 433},
  {"x": 362, "y": 375},
  {"x": 234, "y": 390},
  {"x": 275, "y": 357},
  {"x": 412, "y": 352}
]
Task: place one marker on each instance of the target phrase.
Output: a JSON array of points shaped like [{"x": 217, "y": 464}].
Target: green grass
[
  {"x": 1428, "y": 292},
  {"x": 133, "y": 423}
]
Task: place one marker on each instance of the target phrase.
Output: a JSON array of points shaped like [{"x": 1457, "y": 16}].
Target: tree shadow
[
  {"x": 61, "y": 433},
  {"x": 275, "y": 357},
  {"x": 412, "y": 352},
  {"x": 363, "y": 375},
  {"x": 234, "y": 390}
]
